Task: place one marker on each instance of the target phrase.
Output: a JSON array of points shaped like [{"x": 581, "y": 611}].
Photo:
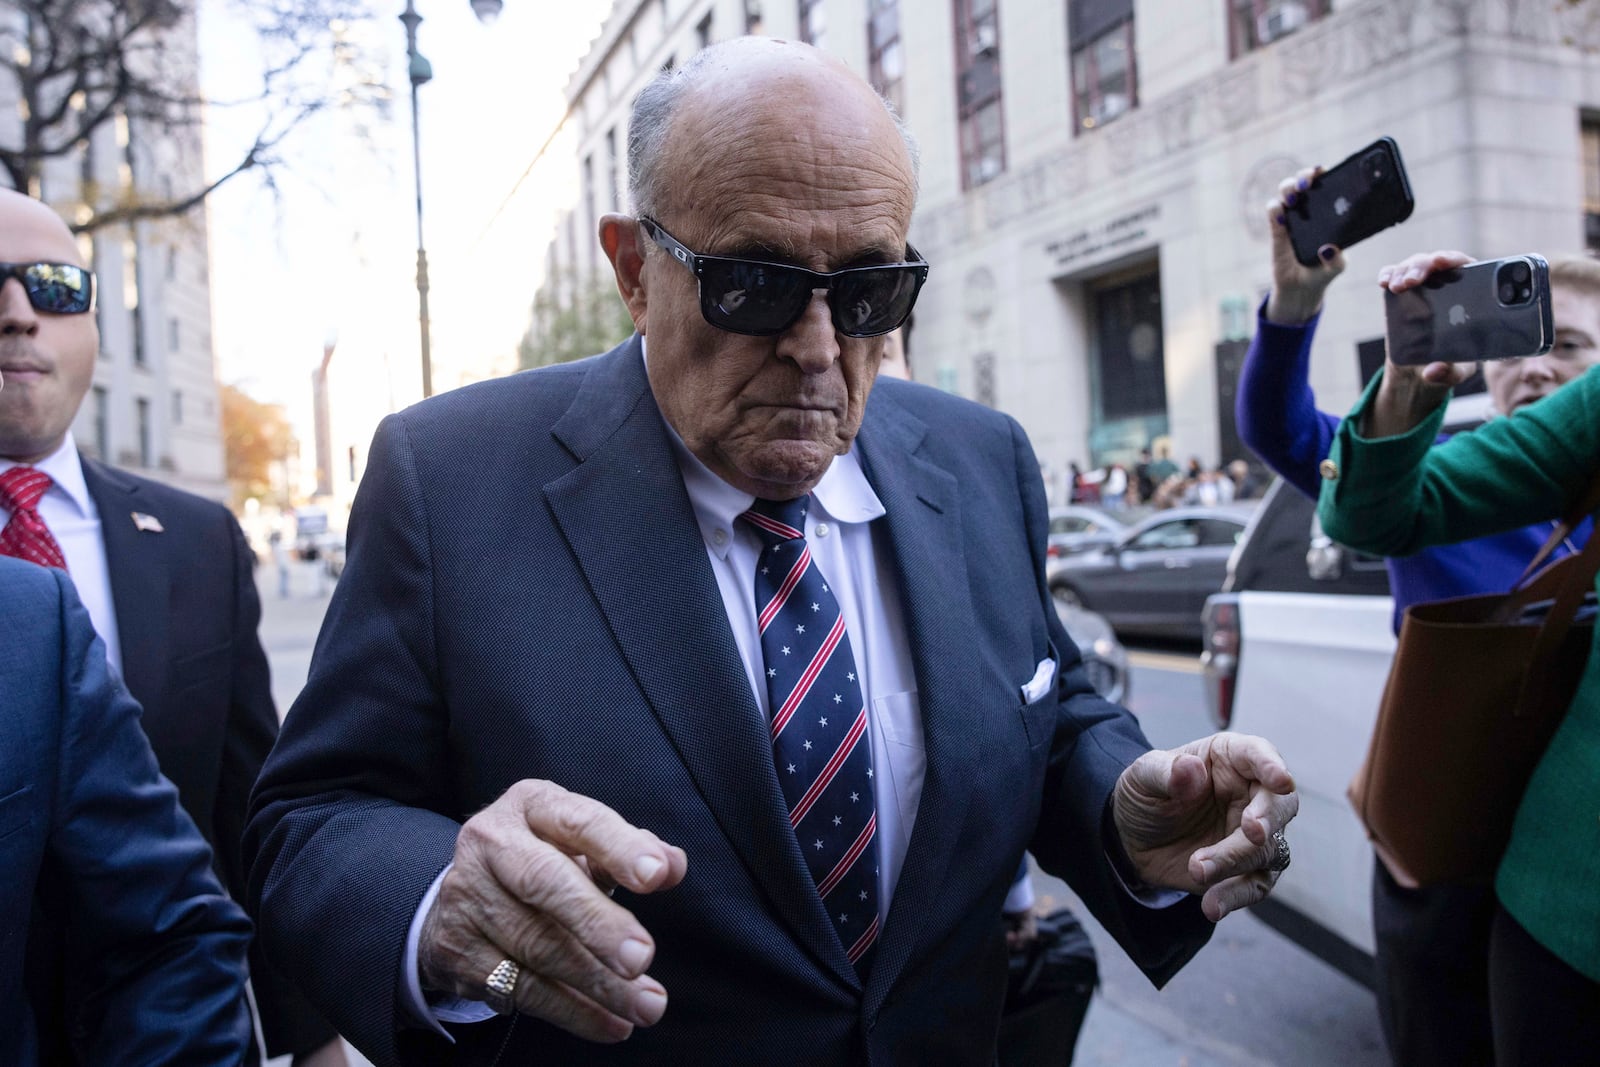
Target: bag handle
[{"x": 1576, "y": 584}]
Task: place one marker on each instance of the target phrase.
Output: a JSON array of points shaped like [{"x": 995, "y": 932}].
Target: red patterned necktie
[
  {"x": 26, "y": 536},
  {"x": 819, "y": 725}
]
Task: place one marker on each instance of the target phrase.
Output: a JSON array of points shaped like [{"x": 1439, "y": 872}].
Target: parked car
[
  {"x": 1078, "y": 527},
  {"x": 1155, "y": 579},
  {"x": 1104, "y": 658},
  {"x": 1297, "y": 649}
]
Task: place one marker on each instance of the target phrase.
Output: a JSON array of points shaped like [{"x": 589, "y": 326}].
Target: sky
[{"x": 331, "y": 256}]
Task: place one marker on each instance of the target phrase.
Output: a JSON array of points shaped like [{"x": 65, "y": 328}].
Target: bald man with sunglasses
[
  {"x": 168, "y": 582},
  {"x": 688, "y": 671}
]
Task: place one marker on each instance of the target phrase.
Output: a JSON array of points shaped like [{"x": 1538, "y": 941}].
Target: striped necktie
[
  {"x": 26, "y": 536},
  {"x": 819, "y": 725}
]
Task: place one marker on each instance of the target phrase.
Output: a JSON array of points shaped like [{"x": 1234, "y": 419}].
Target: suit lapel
[
  {"x": 674, "y": 635},
  {"x": 140, "y": 590},
  {"x": 922, "y": 505}
]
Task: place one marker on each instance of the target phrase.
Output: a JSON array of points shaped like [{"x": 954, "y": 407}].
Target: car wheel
[{"x": 1067, "y": 597}]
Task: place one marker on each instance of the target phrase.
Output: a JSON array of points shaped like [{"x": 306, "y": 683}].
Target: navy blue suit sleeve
[
  {"x": 155, "y": 944},
  {"x": 1276, "y": 410},
  {"x": 1094, "y": 742}
]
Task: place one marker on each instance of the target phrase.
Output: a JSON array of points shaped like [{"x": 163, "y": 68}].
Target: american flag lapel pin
[{"x": 147, "y": 523}]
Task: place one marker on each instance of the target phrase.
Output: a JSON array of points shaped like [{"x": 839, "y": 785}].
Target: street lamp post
[{"x": 420, "y": 72}]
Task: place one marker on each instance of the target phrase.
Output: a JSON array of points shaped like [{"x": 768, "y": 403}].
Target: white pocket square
[{"x": 1037, "y": 686}]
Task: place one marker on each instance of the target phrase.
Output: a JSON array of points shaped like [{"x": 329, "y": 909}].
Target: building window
[
  {"x": 130, "y": 299},
  {"x": 883, "y": 51},
  {"x": 752, "y": 16},
  {"x": 589, "y": 194},
  {"x": 983, "y": 384},
  {"x": 983, "y": 153},
  {"x": 813, "y": 23},
  {"x": 702, "y": 32},
  {"x": 1253, "y": 24},
  {"x": 177, "y": 407},
  {"x": 102, "y": 424},
  {"x": 1104, "y": 76},
  {"x": 172, "y": 335},
  {"x": 142, "y": 411},
  {"x": 611, "y": 169},
  {"x": 1591, "y": 182}
]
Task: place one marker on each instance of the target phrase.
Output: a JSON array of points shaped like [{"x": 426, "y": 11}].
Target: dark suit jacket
[
  {"x": 151, "y": 939},
  {"x": 527, "y": 595},
  {"x": 187, "y": 610}
]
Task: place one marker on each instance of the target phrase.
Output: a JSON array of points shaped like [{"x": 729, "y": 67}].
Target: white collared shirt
[{"x": 69, "y": 511}]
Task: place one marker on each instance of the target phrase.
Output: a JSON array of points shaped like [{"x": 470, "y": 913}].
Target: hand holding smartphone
[
  {"x": 1360, "y": 196},
  {"x": 1498, "y": 309}
]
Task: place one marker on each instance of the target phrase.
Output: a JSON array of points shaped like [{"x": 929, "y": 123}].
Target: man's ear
[{"x": 620, "y": 238}]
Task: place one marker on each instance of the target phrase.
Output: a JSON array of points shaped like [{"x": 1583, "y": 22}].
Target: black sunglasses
[
  {"x": 754, "y": 297},
  {"x": 53, "y": 288}
]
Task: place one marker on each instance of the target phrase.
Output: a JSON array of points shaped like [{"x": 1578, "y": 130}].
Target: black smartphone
[
  {"x": 1350, "y": 202},
  {"x": 1498, "y": 309}
]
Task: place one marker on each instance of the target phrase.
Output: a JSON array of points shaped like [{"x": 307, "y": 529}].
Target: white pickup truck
[{"x": 1297, "y": 649}]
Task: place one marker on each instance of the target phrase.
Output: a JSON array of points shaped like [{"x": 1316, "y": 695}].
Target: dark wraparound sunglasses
[
  {"x": 53, "y": 288},
  {"x": 751, "y": 296}
]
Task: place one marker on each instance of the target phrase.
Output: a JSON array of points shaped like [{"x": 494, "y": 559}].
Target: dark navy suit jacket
[
  {"x": 187, "y": 612},
  {"x": 155, "y": 950},
  {"x": 527, "y": 595}
]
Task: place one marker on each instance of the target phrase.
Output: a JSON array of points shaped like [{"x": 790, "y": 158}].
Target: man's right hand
[
  {"x": 1297, "y": 290},
  {"x": 526, "y": 885}
]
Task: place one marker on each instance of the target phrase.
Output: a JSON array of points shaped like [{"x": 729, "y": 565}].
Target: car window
[
  {"x": 1219, "y": 532},
  {"x": 1179, "y": 533},
  {"x": 1274, "y": 559},
  {"x": 1065, "y": 524}
]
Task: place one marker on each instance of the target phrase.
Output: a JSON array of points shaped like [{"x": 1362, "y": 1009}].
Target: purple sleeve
[{"x": 1275, "y": 409}]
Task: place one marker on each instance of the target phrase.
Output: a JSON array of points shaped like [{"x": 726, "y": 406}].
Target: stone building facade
[{"x": 1094, "y": 175}]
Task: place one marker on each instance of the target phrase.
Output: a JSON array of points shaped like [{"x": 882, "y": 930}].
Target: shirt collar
[
  {"x": 843, "y": 494},
  {"x": 66, "y": 472}
]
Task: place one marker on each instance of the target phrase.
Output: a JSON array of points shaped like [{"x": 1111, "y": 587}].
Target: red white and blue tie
[
  {"x": 819, "y": 725},
  {"x": 25, "y": 535}
]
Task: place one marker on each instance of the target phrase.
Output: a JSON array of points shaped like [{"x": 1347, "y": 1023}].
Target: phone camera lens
[
  {"x": 1508, "y": 292},
  {"x": 1524, "y": 294},
  {"x": 1519, "y": 272}
]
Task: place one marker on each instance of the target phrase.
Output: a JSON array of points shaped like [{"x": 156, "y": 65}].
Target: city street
[{"x": 1250, "y": 999}]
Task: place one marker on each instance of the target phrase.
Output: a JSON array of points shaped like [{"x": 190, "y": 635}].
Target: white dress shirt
[{"x": 68, "y": 510}]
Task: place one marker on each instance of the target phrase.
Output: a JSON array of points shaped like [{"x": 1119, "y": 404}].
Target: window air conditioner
[
  {"x": 1280, "y": 20},
  {"x": 983, "y": 39},
  {"x": 1109, "y": 107}
]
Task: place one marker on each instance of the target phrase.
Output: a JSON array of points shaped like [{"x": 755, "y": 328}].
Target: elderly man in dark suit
[
  {"x": 651, "y": 676},
  {"x": 166, "y": 576},
  {"x": 88, "y": 821}
]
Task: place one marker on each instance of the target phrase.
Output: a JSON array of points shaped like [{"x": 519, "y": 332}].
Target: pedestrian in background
[
  {"x": 166, "y": 576},
  {"x": 1399, "y": 492},
  {"x": 1432, "y": 945}
]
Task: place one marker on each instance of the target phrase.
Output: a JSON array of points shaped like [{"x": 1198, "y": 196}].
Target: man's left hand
[{"x": 1201, "y": 818}]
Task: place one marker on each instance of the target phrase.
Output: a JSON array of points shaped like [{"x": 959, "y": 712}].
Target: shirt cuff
[
  {"x": 1020, "y": 898},
  {"x": 445, "y": 1009}
]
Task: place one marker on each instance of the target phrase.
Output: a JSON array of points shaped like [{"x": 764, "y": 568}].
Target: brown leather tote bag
[{"x": 1476, "y": 690}]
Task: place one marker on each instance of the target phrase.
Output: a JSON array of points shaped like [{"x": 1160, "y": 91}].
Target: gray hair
[{"x": 651, "y": 121}]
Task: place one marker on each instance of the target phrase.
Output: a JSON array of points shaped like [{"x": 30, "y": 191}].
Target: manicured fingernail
[
  {"x": 649, "y": 1006},
  {"x": 634, "y": 955},
  {"x": 1327, "y": 252},
  {"x": 1282, "y": 220},
  {"x": 1292, "y": 199},
  {"x": 647, "y": 867},
  {"x": 1303, "y": 184}
]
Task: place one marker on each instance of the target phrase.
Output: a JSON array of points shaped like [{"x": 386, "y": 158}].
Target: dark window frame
[
  {"x": 979, "y": 91},
  {"x": 809, "y": 33},
  {"x": 1244, "y": 34},
  {"x": 1090, "y": 95},
  {"x": 883, "y": 17}
]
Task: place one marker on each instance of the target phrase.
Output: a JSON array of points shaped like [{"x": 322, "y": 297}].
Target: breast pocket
[{"x": 1040, "y": 705}]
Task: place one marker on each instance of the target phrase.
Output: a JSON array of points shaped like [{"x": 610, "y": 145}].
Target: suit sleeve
[
  {"x": 347, "y": 829},
  {"x": 1275, "y": 408},
  {"x": 155, "y": 945},
  {"x": 289, "y": 1023},
  {"x": 1094, "y": 742}
]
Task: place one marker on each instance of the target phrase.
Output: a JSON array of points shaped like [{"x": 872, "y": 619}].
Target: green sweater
[{"x": 1397, "y": 495}]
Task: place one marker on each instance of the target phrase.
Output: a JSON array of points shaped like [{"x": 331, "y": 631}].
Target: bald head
[
  {"x": 754, "y": 94},
  {"x": 31, "y": 231}
]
